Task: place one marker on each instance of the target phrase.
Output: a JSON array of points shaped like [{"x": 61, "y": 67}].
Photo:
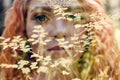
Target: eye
[
  {"x": 72, "y": 16},
  {"x": 83, "y": 17},
  {"x": 41, "y": 18}
]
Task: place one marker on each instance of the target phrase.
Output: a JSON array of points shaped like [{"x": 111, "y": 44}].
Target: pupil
[{"x": 41, "y": 18}]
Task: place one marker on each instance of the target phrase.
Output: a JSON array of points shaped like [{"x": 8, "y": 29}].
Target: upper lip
[{"x": 55, "y": 48}]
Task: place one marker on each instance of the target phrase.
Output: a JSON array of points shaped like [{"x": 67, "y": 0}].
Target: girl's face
[{"x": 43, "y": 13}]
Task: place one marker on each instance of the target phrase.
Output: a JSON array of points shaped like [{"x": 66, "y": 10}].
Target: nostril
[
  {"x": 64, "y": 36},
  {"x": 55, "y": 36}
]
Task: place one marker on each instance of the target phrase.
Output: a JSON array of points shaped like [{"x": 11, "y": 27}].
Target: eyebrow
[
  {"x": 74, "y": 8},
  {"x": 48, "y": 9}
]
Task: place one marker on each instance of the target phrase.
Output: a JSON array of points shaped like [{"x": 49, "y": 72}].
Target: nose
[
  {"x": 60, "y": 35},
  {"x": 61, "y": 30}
]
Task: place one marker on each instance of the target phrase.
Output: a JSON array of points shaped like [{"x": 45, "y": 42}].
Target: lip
[{"x": 57, "y": 50}]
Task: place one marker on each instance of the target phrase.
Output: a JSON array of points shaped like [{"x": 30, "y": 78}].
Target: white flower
[
  {"x": 74, "y": 38},
  {"x": 65, "y": 73},
  {"x": 38, "y": 27},
  {"x": 25, "y": 49},
  {"x": 17, "y": 39},
  {"x": 34, "y": 36},
  {"x": 35, "y": 42},
  {"x": 55, "y": 64},
  {"x": 5, "y": 46},
  {"x": 36, "y": 31},
  {"x": 9, "y": 65},
  {"x": 69, "y": 19},
  {"x": 60, "y": 18},
  {"x": 60, "y": 40},
  {"x": 6, "y": 40},
  {"x": 47, "y": 58},
  {"x": 70, "y": 45},
  {"x": 14, "y": 45},
  {"x": 45, "y": 63},
  {"x": 2, "y": 38},
  {"x": 42, "y": 69},
  {"x": 34, "y": 65},
  {"x": 25, "y": 70},
  {"x": 37, "y": 56},
  {"x": 77, "y": 26},
  {"x": 65, "y": 62},
  {"x": 22, "y": 63},
  {"x": 76, "y": 79},
  {"x": 31, "y": 40}
]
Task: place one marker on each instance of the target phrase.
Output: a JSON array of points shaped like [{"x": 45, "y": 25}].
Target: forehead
[{"x": 50, "y": 3}]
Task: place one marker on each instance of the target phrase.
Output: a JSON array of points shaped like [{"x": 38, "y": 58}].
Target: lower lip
[{"x": 58, "y": 53}]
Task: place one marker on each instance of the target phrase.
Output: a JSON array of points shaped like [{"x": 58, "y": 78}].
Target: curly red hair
[{"x": 15, "y": 22}]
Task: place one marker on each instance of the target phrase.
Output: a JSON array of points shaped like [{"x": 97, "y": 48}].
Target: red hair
[
  {"x": 15, "y": 19},
  {"x": 106, "y": 33},
  {"x": 15, "y": 23}
]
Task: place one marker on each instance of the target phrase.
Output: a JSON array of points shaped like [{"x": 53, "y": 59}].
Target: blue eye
[{"x": 41, "y": 18}]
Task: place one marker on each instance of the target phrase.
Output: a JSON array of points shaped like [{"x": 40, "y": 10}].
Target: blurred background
[{"x": 112, "y": 8}]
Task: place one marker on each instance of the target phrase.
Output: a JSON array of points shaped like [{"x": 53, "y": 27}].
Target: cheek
[
  {"x": 30, "y": 28},
  {"x": 49, "y": 28}
]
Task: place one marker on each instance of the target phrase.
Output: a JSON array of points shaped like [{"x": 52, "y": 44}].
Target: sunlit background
[{"x": 112, "y": 8}]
